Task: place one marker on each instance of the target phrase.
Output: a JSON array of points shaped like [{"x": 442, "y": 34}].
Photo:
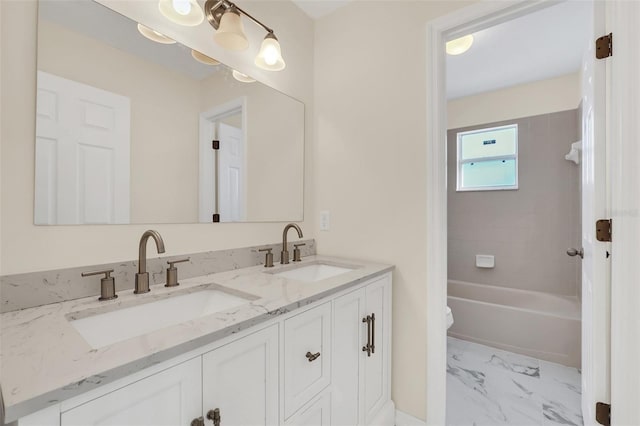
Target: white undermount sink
[
  {"x": 107, "y": 328},
  {"x": 314, "y": 272}
]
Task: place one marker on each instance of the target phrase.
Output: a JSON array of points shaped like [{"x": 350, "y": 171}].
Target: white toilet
[{"x": 449, "y": 318}]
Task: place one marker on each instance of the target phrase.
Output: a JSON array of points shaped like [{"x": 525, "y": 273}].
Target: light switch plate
[{"x": 325, "y": 220}]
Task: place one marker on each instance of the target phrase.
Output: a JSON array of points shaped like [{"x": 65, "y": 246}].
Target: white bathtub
[{"x": 541, "y": 325}]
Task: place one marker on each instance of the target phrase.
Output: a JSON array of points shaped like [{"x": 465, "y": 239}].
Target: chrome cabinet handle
[
  {"x": 367, "y": 347},
  {"x": 214, "y": 415},
  {"x": 312, "y": 357},
  {"x": 373, "y": 333},
  {"x": 197, "y": 421},
  {"x": 575, "y": 252}
]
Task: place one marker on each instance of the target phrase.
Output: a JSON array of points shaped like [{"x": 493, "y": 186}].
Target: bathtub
[{"x": 541, "y": 325}]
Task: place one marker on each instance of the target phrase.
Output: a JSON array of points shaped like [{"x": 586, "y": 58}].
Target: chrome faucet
[
  {"x": 284, "y": 254},
  {"x": 142, "y": 277}
]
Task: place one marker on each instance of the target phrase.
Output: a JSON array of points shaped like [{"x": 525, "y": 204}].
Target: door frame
[
  {"x": 464, "y": 21},
  {"x": 206, "y": 185}
]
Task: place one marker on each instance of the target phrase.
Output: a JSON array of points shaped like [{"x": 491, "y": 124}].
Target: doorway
[{"x": 595, "y": 383}]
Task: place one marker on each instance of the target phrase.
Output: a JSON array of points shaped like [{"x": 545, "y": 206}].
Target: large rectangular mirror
[{"x": 125, "y": 129}]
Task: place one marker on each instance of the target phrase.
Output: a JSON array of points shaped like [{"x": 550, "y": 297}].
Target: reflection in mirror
[{"x": 126, "y": 125}]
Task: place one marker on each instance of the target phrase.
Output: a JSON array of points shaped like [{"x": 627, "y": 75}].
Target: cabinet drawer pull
[
  {"x": 367, "y": 347},
  {"x": 197, "y": 421},
  {"x": 373, "y": 333},
  {"x": 214, "y": 415},
  {"x": 312, "y": 357}
]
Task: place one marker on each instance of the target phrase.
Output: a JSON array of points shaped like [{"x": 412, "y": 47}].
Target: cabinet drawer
[{"x": 306, "y": 373}]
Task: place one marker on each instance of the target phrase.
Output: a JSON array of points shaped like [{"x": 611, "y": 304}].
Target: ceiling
[
  {"x": 319, "y": 8},
  {"x": 541, "y": 45}
]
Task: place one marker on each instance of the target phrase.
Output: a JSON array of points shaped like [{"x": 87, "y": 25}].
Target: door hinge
[
  {"x": 603, "y": 413},
  {"x": 604, "y": 46},
  {"x": 215, "y": 144},
  {"x": 603, "y": 229},
  {"x": 216, "y": 218}
]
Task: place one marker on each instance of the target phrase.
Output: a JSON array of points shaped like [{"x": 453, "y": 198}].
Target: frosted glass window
[{"x": 488, "y": 159}]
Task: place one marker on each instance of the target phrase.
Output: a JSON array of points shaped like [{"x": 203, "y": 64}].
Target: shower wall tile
[
  {"x": 527, "y": 230},
  {"x": 27, "y": 290}
]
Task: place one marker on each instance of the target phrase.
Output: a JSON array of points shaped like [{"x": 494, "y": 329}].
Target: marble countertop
[{"x": 44, "y": 360}]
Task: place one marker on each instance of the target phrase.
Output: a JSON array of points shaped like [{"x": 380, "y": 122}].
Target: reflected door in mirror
[{"x": 82, "y": 154}]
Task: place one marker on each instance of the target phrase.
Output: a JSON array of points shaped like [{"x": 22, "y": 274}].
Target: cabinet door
[
  {"x": 377, "y": 366},
  {"x": 171, "y": 397},
  {"x": 317, "y": 413},
  {"x": 349, "y": 336},
  {"x": 241, "y": 380},
  {"x": 307, "y": 356}
]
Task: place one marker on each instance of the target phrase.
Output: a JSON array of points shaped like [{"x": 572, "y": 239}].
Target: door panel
[
  {"x": 171, "y": 397},
  {"x": 231, "y": 173},
  {"x": 241, "y": 379},
  {"x": 82, "y": 154}
]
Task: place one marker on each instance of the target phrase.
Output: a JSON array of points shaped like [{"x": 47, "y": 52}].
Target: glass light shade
[
  {"x": 154, "y": 35},
  {"x": 242, "y": 77},
  {"x": 201, "y": 57},
  {"x": 230, "y": 33},
  {"x": 182, "y": 12},
  {"x": 459, "y": 45},
  {"x": 270, "y": 57}
]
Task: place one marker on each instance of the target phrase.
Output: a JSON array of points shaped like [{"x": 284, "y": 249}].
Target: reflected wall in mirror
[{"x": 125, "y": 129}]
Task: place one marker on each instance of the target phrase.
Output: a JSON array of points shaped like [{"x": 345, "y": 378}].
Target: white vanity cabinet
[
  {"x": 170, "y": 397},
  {"x": 240, "y": 379},
  {"x": 361, "y": 356},
  {"x": 303, "y": 368}
]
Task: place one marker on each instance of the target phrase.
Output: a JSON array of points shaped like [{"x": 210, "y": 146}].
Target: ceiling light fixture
[
  {"x": 459, "y": 45},
  {"x": 201, "y": 57},
  {"x": 242, "y": 77},
  {"x": 182, "y": 12},
  {"x": 225, "y": 17},
  {"x": 153, "y": 35}
]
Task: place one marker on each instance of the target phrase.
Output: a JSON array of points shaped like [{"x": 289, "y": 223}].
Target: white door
[
  {"x": 82, "y": 154},
  {"x": 376, "y": 367},
  {"x": 231, "y": 175},
  {"x": 346, "y": 377},
  {"x": 596, "y": 273},
  {"x": 171, "y": 397},
  {"x": 241, "y": 380}
]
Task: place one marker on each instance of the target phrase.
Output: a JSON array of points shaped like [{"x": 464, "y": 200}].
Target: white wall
[
  {"x": 370, "y": 159},
  {"x": 26, "y": 247},
  {"x": 526, "y": 100}
]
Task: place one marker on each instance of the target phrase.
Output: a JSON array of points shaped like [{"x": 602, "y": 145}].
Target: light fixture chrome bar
[{"x": 216, "y": 8}]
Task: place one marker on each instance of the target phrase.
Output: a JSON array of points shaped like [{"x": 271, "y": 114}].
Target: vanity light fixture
[
  {"x": 242, "y": 77},
  {"x": 201, "y": 57},
  {"x": 182, "y": 12},
  {"x": 459, "y": 45},
  {"x": 154, "y": 35},
  {"x": 225, "y": 17}
]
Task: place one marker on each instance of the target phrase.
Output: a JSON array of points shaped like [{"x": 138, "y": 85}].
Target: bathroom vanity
[{"x": 299, "y": 344}]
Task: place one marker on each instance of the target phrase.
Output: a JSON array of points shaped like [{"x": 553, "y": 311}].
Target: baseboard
[{"x": 404, "y": 419}]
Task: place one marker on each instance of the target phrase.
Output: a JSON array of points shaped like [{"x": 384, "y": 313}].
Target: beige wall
[
  {"x": 162, "y": 156},
  {"x": 26, "y": 247},
  {"x": 529, "y": 229},
  {"x": 370, "y": 160},
  {"x": 539, "y": 97}
]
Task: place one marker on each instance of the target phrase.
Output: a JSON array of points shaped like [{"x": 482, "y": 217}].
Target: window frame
[{"x": 460, "y": 162}]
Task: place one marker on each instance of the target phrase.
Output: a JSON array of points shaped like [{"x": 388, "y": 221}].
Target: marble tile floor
[{"x": 488, "y": 386}]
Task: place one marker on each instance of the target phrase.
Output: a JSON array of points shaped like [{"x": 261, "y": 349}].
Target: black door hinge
[
  {"x": 603, "y": 229},
  {"x": 215, "y": 144},
  {"x": 603, "y": 413},
  {"x": 216, "y": 218},
  {"x": 604, "y": 46}
]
